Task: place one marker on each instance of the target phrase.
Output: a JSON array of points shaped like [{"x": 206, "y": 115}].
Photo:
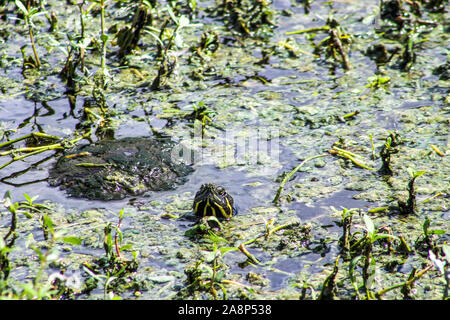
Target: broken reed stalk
[
  {"x": 329, "y": 289},
  {"x": 436, "y": 149},
  {"x": 407, "y": 283},
  {"x": 349, "y": 155},
  {"x": 244, "y": 250},
  {"x": 31, "y": 135},
  {"x": 308, "y": 30},
  {"x": 33, "y": 45},
  {"x": 104, "y": 38},
  {"x": 36, "y": 150},
  {"x": 289, "y": 176},
  {"x": 337, "y": 42},
  {"x": 248, "y": 254},
  {"x": 92, "y": 165}
]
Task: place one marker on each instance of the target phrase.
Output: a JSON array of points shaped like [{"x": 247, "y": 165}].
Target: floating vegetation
[
  {"x": 251, "y": 18},
  {"x": 335, "y": 44},
  {"x": 18, "y": 154}
]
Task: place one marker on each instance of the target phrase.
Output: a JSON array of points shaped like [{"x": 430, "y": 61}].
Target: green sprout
[
  {"x": 28, "y": 15},
  {"x": 377, "y": 81},
  {"x": 39, "y": 286},
  {"x": 346, "y": 223},
  {"x": 369, "y": 266},
  {"x": 425, "y": 241},
  {"x": 167, "y": 65},
  {"x": 111, "y": 269},
  {"x": 410, "y": 206},
  {"x": 329, "y": 285},
  {"x": 385, "y": 155}
]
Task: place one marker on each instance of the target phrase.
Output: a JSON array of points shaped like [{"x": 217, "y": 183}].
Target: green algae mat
[{"x": 326, "y": 122}]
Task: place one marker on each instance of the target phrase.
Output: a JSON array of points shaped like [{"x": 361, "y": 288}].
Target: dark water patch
[
  {"x": 321, "y": 207},
  {"x": 278, "y": 280},
  {"x": 417, "y": 104},
  {"x": 290, "y": 265}
]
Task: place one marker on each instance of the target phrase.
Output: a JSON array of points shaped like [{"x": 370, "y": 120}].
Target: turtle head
[{"x": 213, "y": 200}]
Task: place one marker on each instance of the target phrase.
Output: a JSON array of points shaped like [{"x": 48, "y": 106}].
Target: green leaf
[
  {"x": 22, "y": 8},
  {"x": 48, "y": 222},
  {"x": 7, "y": 195},
  {"x": 72, "y": 240},
  {"x": 193, "y": 4},
  {"x": 156, "y": 37},
  {"x": 215, "y": 238},
  {"x": 225, "y": 250},
  {"x": 352, "y": 266},
  {"x": 436, "y": 231},
  {"x": 28, "y": 289},
  {"x": 28, "y": 198},
  {"x": 419, "y": 173},
  {"x": 425, "y": 225},
  {"x": 27, "y": 214},
  {"x": 135, "y": 254},
  {"x": 104, "y": 38},
  {"x": 148, "y": 4},
  {"x": 172, "y": 15},
  {"x": 410, "y": 172},
  {"x": 183, "y": 22},
  {"x": 12, "y": 208},
  {"x": 385, "y": 235},
  {"x": 126, "y": 247},
  {"x": 369, "y": 224}
]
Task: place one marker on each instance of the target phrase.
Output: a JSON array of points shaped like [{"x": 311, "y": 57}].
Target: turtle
[
  {"x": 213, "y": 200},
  {"x": 115, "y": 169}
]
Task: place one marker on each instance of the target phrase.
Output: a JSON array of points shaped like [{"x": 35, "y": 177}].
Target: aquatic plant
[
  {"x": 40, "y": 286},
  {"x": 408, "y": 33},
  {"x": 410, "y": 206},
  {"x": 18, "y": 154},
  {"x": 346, "y": 239},
  {"x": 427, "y": 241},
  {"x": 336, "y": 44},
  {"x": 167, "y": 63},
  {"x": 290, "y": 175},
  {"x": 409, "y": 55},
  {"x": 365, "y": 244},
  {"x": 251, "y": 18},
  {"x": 113, "y": 269},
  {"x": 187, "y": 7},
  {"x": 129, "y": 36},
  {"x": 209, "y": 44},
  {"x": 378, "y": 81},
  {"x": 385, "y": 155},
  {"x": 328, "y": 291},
  {"x": 203, "y": 114},
  {"x": 350, "y": 156},
  {"x": 405, "y": 286},
  {"x": 28, "y": 15}
]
